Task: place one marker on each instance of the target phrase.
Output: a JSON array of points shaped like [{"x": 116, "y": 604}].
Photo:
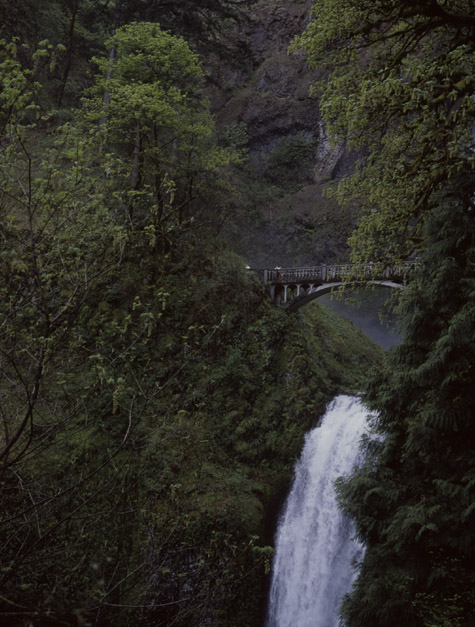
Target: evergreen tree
[
  {"x": 413, "y": 502},
  {"x": 400, "y": 90}
]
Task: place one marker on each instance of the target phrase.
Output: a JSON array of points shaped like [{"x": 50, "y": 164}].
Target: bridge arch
[
  {"x": 325, "y": 288},
  {"x": 294, "y": 287}
]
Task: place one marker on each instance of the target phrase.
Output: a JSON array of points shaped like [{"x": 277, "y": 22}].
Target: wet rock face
[
  {"x": 271, "y": 95},
  {"x": 268, "y": 95},
  {"x": 277, "y": 24},
  {"x": 279, "y": 105},
  {"x": 279, "y": 101}
]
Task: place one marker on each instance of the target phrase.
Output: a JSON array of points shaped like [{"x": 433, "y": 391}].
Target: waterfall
[{"x": 312, "y": 570}]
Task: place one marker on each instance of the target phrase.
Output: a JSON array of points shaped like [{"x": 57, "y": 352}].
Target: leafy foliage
[
  {"x": 291, "y": 160},
  {"x": 400, "y": 91},
  {"x": 151, "y": 398},
  {"x": 153, "y": 119},
  {"x": 412, "y": 502}
]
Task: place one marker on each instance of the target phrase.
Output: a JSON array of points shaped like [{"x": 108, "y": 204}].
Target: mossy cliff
[{"x": 263, "y": 104}]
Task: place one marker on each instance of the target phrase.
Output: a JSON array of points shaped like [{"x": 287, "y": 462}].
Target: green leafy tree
[
  {"x": 400, "y": 85},
  {"x": 92, "y": 386},
  {"x": 155, "y": 122},
  {"x": 66, "y": 406},
  {"x": 83, "y": 26},
  {"x": 400, "y": 90},
  {"x": 79, "y": 26}
]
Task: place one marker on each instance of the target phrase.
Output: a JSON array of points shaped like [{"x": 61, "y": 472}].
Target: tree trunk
[
  {"x": 112, "y": 55},
  {"x": 70, "y": 48},
  {"x": 135, "y": 175}
]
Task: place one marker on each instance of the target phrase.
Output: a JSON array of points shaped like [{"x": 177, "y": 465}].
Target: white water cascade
[{"x": 312, "y": 570}]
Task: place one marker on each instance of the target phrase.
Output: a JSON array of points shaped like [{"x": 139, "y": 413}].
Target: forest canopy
[
  {"x": 398, "y": 87},
  {"x": 99, "y": 216},
  {"x": 152, "y": 399}
]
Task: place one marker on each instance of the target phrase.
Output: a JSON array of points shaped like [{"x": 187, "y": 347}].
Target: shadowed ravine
[{"x": 363, "y": 310}]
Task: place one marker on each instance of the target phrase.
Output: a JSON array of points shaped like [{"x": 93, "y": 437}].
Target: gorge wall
[{"x": 284, "y": 217}]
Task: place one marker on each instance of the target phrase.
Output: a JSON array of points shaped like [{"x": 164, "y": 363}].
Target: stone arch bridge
[{"x": 294, "y": 287}]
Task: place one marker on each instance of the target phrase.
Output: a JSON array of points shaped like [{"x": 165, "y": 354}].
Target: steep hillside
[
  {"x": 179, "y": 409},
  {"x": 214, "y": 473}
]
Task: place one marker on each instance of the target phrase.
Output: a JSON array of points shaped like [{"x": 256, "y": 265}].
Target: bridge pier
[{"x": 276, "y": 292}]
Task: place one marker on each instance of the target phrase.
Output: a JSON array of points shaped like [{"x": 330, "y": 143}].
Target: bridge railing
[
  {"x": 336, "y": 272},
  {"x": 291, "y": 275}
]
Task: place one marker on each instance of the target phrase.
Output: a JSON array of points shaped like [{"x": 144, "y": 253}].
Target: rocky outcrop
[{"x": 269, "y": 96}]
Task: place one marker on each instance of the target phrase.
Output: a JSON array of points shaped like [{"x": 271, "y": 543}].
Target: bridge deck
[{"x": 297, "y": 286}]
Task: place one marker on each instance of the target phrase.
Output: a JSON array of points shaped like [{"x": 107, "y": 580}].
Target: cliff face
[
  {"x": 291, "y": 161},
  {"x": 273, "y": 97}
]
